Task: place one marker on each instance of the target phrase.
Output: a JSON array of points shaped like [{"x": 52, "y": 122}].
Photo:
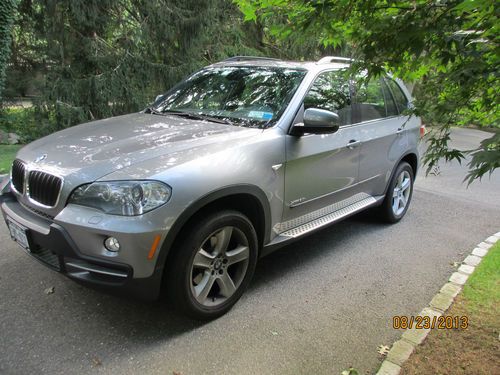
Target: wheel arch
[
  {"x": 411, "y": 158},
  {"x": 247, "y": 199}
]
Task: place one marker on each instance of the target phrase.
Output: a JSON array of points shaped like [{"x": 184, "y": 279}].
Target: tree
[
  {"x": 448, "y": 47},
  {"x": 98, "y": 58},
  {"x": 7, "y": 15}
]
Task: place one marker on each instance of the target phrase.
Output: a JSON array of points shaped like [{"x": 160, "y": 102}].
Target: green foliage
[
  {"x": 438, "y": 149},
  {"x": 486, "y": 159},
  {"x": 25, "y": 122},
  {"x": 90, "y": 59},
  {"x": 449, "y": 48},
  {"x": 7, "y": 15}
]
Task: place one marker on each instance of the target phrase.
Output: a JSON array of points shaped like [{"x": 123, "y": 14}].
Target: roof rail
[
  {"x": 248, "y": 58},
  {"x": 331, "y": 59}
]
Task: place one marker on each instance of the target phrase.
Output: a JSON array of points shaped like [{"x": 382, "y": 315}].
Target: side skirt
[{"x": 336, "y": 213}]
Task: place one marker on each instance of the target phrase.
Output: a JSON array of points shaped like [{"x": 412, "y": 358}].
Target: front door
[{"x": 322, "y": 168}]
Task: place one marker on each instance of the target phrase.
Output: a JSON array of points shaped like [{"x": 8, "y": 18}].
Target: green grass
[
  {"x": 473, "y": 350},
  {"x": 7, "y": 155},
  {"x": 482, "y": 289}
]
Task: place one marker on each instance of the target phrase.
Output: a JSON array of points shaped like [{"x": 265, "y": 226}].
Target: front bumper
[{"x": 52, "y": 245}]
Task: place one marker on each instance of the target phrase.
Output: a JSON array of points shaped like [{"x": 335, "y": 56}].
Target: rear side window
[
  {"x": 390, "y": 106},
  {"x": 331, "y": 91},
  {"x": 369, "y": 101},
  {"x": 374, "y": 100},
  {"x": 399, "y": 96}
]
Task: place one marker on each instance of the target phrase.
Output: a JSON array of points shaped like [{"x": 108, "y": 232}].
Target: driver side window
[{"x": 330, "y": 91}]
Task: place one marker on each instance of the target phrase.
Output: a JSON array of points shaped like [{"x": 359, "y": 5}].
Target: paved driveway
[{"x": 316, "y": 307}]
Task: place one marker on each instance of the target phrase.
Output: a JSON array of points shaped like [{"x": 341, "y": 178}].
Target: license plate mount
[{"x": 19, "y": 234}]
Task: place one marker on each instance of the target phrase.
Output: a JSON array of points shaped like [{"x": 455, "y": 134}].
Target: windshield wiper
[
  {"x": 195, "y": 116},
  {"x": 153, "y": 111}
]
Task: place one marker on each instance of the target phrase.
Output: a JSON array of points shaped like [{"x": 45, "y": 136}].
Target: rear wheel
[
  {"x": 213, "y": 265},
  {"x": 398, "y": 196}
]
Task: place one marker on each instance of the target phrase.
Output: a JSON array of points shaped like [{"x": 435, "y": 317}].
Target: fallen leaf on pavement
[
  {"x": 350, "y": 371},
  {"x": 49, "y": 290},
  {"x": 383, "y": 349},
  {"x": 96, "y": 361}
]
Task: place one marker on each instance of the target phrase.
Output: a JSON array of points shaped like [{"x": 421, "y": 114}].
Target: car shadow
[
  {"x": 152, "y": 321},
  {"x": 119, "y": 321},
  {"x": 331, "y": 239}
]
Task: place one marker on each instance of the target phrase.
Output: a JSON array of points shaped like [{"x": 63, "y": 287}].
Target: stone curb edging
[{"x": 411, "y": 338}]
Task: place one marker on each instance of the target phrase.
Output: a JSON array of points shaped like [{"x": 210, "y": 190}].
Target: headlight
[{"x": 126, "y": 198}]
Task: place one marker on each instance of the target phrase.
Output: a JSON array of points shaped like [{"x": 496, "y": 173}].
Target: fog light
[{"x": 112, "y": 244}]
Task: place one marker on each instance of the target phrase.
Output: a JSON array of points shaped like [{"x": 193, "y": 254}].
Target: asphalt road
[{"x": 314, "y": 307}]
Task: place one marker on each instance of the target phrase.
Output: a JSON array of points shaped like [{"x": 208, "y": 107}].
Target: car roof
[{"x": 329, "y": 62}]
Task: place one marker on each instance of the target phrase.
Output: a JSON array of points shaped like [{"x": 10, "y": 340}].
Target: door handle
[
  {"x": 399, "y": 131},
  {"x": 353, "y": 144}
]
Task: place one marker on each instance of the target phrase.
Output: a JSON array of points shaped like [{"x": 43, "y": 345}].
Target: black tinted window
[
  {"x": 330, "y": 91},
  {"x": 390, "y": 106},
  {"x": 369, "y": 103},
  {"x": 399, "y": 96}
]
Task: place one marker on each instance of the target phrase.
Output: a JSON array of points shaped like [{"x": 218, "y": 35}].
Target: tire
[
  {"x": 213, "y": 265},
  {"x": 399, "y": 193}
]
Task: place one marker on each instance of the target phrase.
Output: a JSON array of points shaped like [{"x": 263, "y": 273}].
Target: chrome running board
[
  {"x": 328, "y": 219},
  {"x": 331, "y": 214}
]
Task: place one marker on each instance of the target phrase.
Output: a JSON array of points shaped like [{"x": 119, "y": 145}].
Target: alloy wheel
[
  {"x": 401, "y": 193},
  {"x": 219, "y": 266}
]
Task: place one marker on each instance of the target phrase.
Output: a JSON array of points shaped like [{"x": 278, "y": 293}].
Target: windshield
[{"x": 244, "y": 96}]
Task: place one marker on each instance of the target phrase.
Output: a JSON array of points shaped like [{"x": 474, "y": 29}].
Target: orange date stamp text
[{"x": 430, "y": 322}]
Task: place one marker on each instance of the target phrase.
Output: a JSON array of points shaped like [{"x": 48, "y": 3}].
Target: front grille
[
  {"x": 44, "y": 188},
  {"x": 18, "y": 175}
]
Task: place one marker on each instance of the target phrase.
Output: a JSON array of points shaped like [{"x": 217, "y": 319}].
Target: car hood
[{"x": 95, "y": 149}]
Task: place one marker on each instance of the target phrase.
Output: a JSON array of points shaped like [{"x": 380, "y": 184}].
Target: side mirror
[{"x": 317, "y": 121}]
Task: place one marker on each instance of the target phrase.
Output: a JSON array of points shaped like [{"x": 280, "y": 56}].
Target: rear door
[{"x": 382, "y": 134}]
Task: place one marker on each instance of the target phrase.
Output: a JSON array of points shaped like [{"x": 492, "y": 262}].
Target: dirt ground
[{"x": 471, "y": 351}]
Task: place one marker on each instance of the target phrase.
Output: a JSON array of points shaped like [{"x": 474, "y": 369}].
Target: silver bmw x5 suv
[{"x": 238, "y": 159}]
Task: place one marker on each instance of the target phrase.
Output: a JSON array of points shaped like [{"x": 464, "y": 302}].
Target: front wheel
[
  {"x": 399, "y": 193},
  {"x": 214, "y": 265}
]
